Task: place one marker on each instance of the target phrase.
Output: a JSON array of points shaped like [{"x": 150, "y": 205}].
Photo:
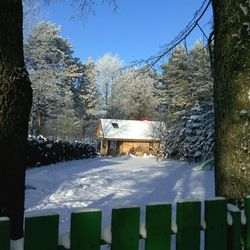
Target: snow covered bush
[
  {"x": 193, "y": 137},
  {"x": 42, "y": 151}
]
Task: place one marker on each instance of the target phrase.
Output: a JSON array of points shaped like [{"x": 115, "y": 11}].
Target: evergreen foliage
[
  {"x": 54, "y": 72},
  {"x": 177, "y": 81},
  {"x": 193, "y": 137},
  {"x": 187, "y": 95},
  {"x": 87, "y": 99},
  {"x": 42, "y": 151},
  {"x": 70, "y": 97}
]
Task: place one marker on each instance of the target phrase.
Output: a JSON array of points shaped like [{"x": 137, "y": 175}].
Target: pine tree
[
  {"x": 87, "y": 99},
  {"x": 191, "y": 135},
  {"x": 201, "y": 73},
  {"x": 177, "y": 82},
  {"x": 53, "y": 71},
  {"x": 90, "y": 93}
]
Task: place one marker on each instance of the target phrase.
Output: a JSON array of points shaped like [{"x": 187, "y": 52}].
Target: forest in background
[{"x": 70, "y": 96}]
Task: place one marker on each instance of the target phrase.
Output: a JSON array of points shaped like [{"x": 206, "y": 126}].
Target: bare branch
[
  {"x": 85, "y": 8},
  {"x": 166, "y": 49}
]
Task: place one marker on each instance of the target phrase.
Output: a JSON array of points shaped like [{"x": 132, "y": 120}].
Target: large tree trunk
[
  {"x": 232, "y": 97},
  {"x": 15, "y": 104}
]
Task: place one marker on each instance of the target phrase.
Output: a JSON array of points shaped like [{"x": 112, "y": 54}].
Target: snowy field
[{"x": 107, "y": 183}]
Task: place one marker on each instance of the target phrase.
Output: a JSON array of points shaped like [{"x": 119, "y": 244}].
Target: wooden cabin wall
[
  {"x": 123, "y": 147},
  {"x": 139, "y": 148}
]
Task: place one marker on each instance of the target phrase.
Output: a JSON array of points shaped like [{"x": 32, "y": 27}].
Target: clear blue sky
[{"x": 135, "y": 31}]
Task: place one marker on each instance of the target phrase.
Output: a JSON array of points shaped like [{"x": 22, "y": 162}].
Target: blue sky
[{"x": 135, "y": 31}]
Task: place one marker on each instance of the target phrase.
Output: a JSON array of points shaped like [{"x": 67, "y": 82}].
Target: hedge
[{"x": 42, "y": 151}]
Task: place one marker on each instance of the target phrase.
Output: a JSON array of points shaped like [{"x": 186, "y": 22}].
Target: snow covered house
[{"x": 123, "y": 136}]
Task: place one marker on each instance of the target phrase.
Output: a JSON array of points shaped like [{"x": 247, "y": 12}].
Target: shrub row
[{"x": 42, "y": 151}]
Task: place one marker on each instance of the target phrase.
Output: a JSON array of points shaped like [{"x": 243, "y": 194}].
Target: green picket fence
[{"x": 223, "y": 228}]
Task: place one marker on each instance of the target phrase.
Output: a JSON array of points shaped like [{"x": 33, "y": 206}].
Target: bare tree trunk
[
  {"x": 15, "y": 104},
  {"x": 232, "y": 97}
]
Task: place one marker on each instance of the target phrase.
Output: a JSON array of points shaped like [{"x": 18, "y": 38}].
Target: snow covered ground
[{"x": 107, "y": 183}]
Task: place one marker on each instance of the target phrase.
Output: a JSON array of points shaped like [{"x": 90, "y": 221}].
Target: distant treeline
[{"x": 42, "y": 151}]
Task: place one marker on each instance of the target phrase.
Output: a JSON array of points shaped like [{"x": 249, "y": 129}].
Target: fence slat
[
  {"x": 235, "y": 232},
  {"x": 41, "y": 233},
  {"x": 188, "y": 219},
  {"x": 158, "y": 227},
  {"x": 247, "y": 227},
  {"x": 4, "y": 234},
  {"x": 125, "y": 228},
  {"x": 216, "y": 224},
  {"x": 85, "y": 232}
]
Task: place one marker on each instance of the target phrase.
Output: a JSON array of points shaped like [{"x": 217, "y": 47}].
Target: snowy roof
[{"x": 127, "y": 129}]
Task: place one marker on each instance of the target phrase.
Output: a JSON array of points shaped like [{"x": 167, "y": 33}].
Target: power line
[
  {"x": 153, "y": 60},
  {"x": 202, "y": 31},
  {"x": 182, "y": 36}
]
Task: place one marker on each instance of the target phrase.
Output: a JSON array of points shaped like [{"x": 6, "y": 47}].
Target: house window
[{"x": 115, "y": 125}]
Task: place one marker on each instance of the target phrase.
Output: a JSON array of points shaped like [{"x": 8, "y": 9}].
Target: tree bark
[
  {"x": 15, "y": 104},
  {"x": 232, "y": 97}
]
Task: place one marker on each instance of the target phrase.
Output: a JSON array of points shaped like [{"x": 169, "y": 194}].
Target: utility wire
[{"x": 153, "y": 60}]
